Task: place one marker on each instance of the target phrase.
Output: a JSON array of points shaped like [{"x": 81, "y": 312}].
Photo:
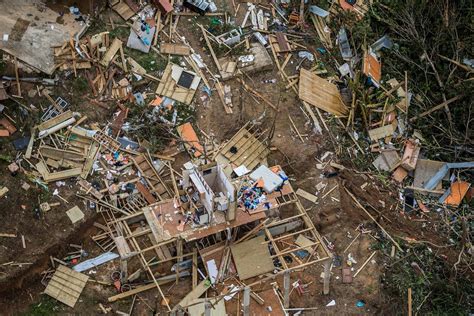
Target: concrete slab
[{"x": 32, "y": 30}]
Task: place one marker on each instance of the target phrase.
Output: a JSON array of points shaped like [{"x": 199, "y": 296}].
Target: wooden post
[
  {"x": 18, "y": 86},
  {"x": 179, "y": 252},
  {"x": 327, "y": 274},
  {"x": 124, "y": 270},
  {"x": 409, "y": 302},
  {"x": 207, "y": 306},
  {"x": 195, "y": 273},
  {"x": 247, "y": 301},
  {"x": 286, "y": 288}
]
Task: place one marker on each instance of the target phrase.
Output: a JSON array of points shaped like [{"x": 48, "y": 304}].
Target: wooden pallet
[
  {"x": 66, "y": 285},
  {"x": 250, "y": 150},
  {"x": 154, "y": 181},
  {"x": 106, "y": 141}
]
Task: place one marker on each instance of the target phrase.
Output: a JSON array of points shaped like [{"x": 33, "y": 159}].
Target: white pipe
[{"x": 56, "y": 128}]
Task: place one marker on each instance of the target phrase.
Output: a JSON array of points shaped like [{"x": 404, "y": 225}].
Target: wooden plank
[
  {"x": 90, "y": 159},
  {"x": 146, "y": 193},
  {"x": 175, "y": 49},
  {"x": 195, "y": 293},
  {"x": 18, "y": 86},
  {"x": 29, "y": 149},
  {"x": 304, "y": 242},
  {"x": 90, "y": 189},
  {"x": 53, "y": 103},
  {"x": 381, "y": 132},
  {"x": 59, "y": 154},
  {"x": 136, "y": 67},
  {"x": 61, "y": 175},
  {"x": 123, "y": 10},
  {"x": 321, "y": 93},
  {"x": 138, "y": 290},
  {"x": 308, "y": 196},
  {"x": 109, "y": 55},
  {"x": 55, "y": 121},
  {"x": 282, "y": 42}
]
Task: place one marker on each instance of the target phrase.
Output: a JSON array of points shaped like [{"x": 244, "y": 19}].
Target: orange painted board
[
  {"x": 187, "y": 133},
  {"x": 372, "y": 67},
  {"x": 4, "y": 133},
  {"x": 458, "y": 191}
]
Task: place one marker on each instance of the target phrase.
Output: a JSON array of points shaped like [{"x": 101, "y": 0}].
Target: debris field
[{"x": 228, "y": 158}]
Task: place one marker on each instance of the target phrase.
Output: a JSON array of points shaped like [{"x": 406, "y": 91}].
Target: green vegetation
[
  {"x": 120, "y": 32},
  {"x": 151, "y": 62},
  {"x": 46, "y": 307},
  {"x": 436, "y": 289},
  {"x": 80, "y": 85}
]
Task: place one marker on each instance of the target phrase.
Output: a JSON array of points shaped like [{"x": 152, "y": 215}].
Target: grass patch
[
  {"x": 46, "y": 307},
  {"x": 97, "y": 26},
  {"x": 120, "y": 32},
  {"x": 80, "y": 85},
  {"x": 151, "y": 62}
]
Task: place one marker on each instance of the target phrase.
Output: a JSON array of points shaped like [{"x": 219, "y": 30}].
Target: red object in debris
[
  {"x": 164, "y": 5},
  {"x": 4, "y": 133},
  {"x": 346, "y": 6},
  {"x": 9, "y": 126},
  {"x": 74, "y": 261},
  {"x": 117, "y": 285}
]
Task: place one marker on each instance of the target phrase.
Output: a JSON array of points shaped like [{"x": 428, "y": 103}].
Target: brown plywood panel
[
  {"x": 175, "y": 49},
  {"x": 321, "y": 93},
  {"x": 252, "y": 258}
]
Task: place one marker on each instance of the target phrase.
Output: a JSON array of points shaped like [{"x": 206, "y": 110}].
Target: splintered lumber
[
  {"x": 91, "y": 156},
  {"x": 435, "y": 108},
  {"x": 317, "y": 126},
  {"x": 296, "y": 129},
  {"x": 109, "y": 55},
  {"x": 90, "y": 189},
  {"x": 136, "y": 67},
  {"x": 251, "y": 90},
  {"x": 175, "y": 49},
  {"x": 372, "y": 218},
  {"x": 321, "y": 93},
  {"x": 364, "y": 264},
  {"x": 381, "y": 132},
  {"x": 53, "y": 103},
  {"x": 214, "y": 57},
  {"x": 140, "y": 289},
  {"x": 7, "y": 235}
]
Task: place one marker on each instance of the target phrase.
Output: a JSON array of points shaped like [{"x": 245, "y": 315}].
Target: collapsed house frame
[{"x": 151, "y": 231}]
